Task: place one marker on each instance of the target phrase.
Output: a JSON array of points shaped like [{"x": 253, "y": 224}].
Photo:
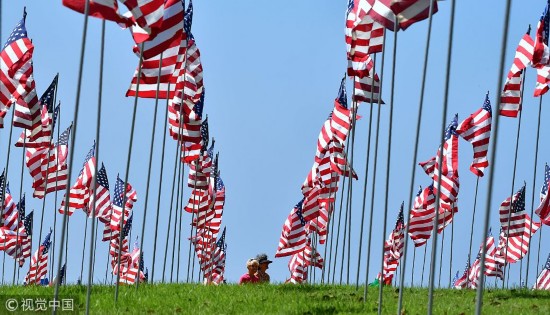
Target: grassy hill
[{"x": 282, "y": 299}]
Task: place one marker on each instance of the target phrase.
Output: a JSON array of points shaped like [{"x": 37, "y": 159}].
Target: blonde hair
[{"x": 252, "y": 262}]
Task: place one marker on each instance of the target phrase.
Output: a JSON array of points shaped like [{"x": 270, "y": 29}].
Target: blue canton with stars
[
  {"x": 90, "y": 154},
  {"x": 545, "y": 18},
  {"x": 487, "y": 105},
  {"x": 54, "y": 116},
  {"x": 518, "y": 204},
  {"x": 299, "y": 212},
  {"x": 188, "y": 20},
  {"x": 64, "y": 137},
  {"x": 102, "y": 177},
  {"x": 400, "y": 218},
  {"x": 119, "y": 190},
  {"x": 221, "y": 241},
  {"x": 544, "y": 189},
  {"x": 21, "y": 208},
  {"x": 547, "y": 266},
  {"x": 342, "y": 94},
  {"x": 351, "y": 4},
  {"x": 47, "y": 242},
  {"x": 128, "y": 226},
  {"x": 200, "y": 104},
  {"x": 219, "y": 184},
  {"x": 18, "y": 32},
  {"x": 204, "y": 132},
  {"x": 28, "y": 223},
  {"x": 48, "y": 96},
  {"x": 451, "y": 129}
]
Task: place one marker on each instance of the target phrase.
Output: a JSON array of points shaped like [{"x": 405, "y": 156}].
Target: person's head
[
  {"x": 252, "y": 265},
  {"x": 263, "y": 262}
]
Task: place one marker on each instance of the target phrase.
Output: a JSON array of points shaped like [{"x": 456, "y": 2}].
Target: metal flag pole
[
  {"x": 488, "y": 205},
  {"x": 472, "y": 225},
  {"x": 533, "y": 194},
  {"x": 451, "y": 251},
  {"x": 512, "y": 197},
  {"x": 160, "y": 187},
  {"x": 386, "y": 195},
  {"x": 97, "y": 137},
  {"x": 338, "y": 228},
  {"x": 348, "y": 197},
  {"x": 375, "y": 158},
  {"x": 329, "y": 204},
  {"x": 365, "y": 180},
  {"x": 149, "y": 173},
  {"x": 441, "y": 257},
  {"x": 170, "y": 212},
  {"x": 71, "y": 149},
  {"x": 127, "y": 173},
  {"x": 330, "y": 234},
  {"x": 413, "y": 166},
  {"x": 180, "y": 175},
  {"x": 17, "y": 250},
  {"x": 189, "y": 254},
  {"x": 180, "y": 201},
  {"x": 53, "y": 244},
  {"x": 443, "y": 118}
]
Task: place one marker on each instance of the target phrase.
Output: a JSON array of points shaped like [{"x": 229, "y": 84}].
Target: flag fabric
[
  {"x": 514, "y": 248},
  {"x": 367, "y": 88},
  {"x": 541, "y": 53},
  {"x": 148, "y": 14},
  {"x": 293, "y": 235},
  {"x": 118, "y": 206},
  {"x": 543, "y": 210},
  {"x": 513, "y": 216},
  {"x": 114, "y": 244},
  {"x": 462, "y": 281},
  {"x": 39, "y": 262},
  {"x": 510, "y": 101},
  {"x": 363, "y": 35},
  {"x": 449, "y": 169},
  {"x": 494, "y": 265},
  {"x": 476, "y": 129},
  {"x": 103, "y": 206},
  {"x": 103, "y": 9},
  {"x": 22, "y": 251},
  {"x": 407, "y": 12},
  {"x": 543, "y": 280},
  {"x": 80, "y": 192},
  {"x": 18, "y": 49},
  {"x": 297, "y": 268}
]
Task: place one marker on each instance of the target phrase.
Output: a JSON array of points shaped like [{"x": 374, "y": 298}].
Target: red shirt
[{"x": 246, "y": 278}]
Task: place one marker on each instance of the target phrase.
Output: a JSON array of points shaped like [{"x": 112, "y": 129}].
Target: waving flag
[
  {"x": 103, "y": 9},
  {"x": 293, "y": 236},
  {"x": 476, "y": 129},
  {"x": 367, "y": 88},
  {"x": 541, "y": 54},
  {"x": 462, "y": 282},
  {"x": 543, "y": 210},
  {"x": 364, "y": 36},
  {"x": 118, "y": 199},
  {"x": 514, "y": 248},
  {"x": 148, "y": 14},
  {"x": 79, "y": 194},
  {"x": 407, "y": 12},
  {"x": 513, "y": 216},
  {"x": 543, "y": 280},
  {"x": 449, "y": 168},
  {"x": 17, "y": 50},
  {"x": 39, "y": 262},
  {"x": 103, "y": 206}
]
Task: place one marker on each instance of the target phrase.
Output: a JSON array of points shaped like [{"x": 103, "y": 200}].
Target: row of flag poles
[
  {"x": 308, "y": 221},
  {"x": 169, "y": 68}
]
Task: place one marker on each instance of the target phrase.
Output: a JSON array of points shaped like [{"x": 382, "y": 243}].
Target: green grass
[{"x": 285, "y": 299}]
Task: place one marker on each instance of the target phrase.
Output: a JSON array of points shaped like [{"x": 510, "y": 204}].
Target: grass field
[{"x": 282, "y": 299}]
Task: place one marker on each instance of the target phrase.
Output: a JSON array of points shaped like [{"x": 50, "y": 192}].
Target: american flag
[
  {"x": 340, "y": 122},
  {"x": 297, "y": 268},
  {"x": 22, "y": 250},
  {"x": 37, "y": 163},
  {"x": 118, "y": 200},
  {"x": 17, "y": 50},
  {"x": 543, "y": 280},
  {"x": 148, "y": 14},
  {"x": 367, "y": 88},
  {"x": 212, "y": 217},
  {"x": 513, "y": 217},
  {"x": 320, "y": 223},
  {"x": 49, "y": 115},
  {"x": 494, "y": 265},
  {"x": 449, "y": 168},
  {"x": 293, "y": 235},
  {"x": 364, "y": 36},
  {"x": 80, "y": 193},
  {"x": 339, "y": 161},
  {"x": 514, "y": 248},
  {"x": 407, "y": 12},
  {"x": 39, "y": 262},
  {"x": 192, "y": 151},
  {"x": 543, "y": 210},
  {"x": 103, "y": 9},
  {"x": 61, "y": 275},
  {"x": 311, "y": 256},
  {"x": 541, "y": 53},
  {"x": 325, "y": 137},
  {"x": 115, "y": 241},
  {"x": 476, "y": 129},
  {"x": 462, "y": 282},
  {"x": 103, "y": 204}
]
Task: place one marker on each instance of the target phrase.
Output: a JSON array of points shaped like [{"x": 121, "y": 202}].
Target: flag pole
[
  {"x": 441, "y": 256},
  {"x": 18, "y": 249},
  {"x": 330, "y": 233},
  {"x": 472, "y": 225},
  {"x": 84, "y": 244},
  {"x": 179, "y": 200},
  {"x": 93, "y": 233},
  {"x": 149, "y": 171},
  {"x": 345, "y": 223},
  {"x": 73, "y": 137},
  {"x": 179, "y": 175},
  {"x": 413, "y": 166},
  {"x": 443, "y": 118},
  {"x": 329, "y": 210},
  {"x": 52, "y": 245},
  {"x": 171, "y": 209},
  {"x": 533, "y": 194},
  {"x": 488, "y": 206},
  {"x": 338, "y": 228},
  {"x": 160, "y": 187},
  {"x": 424, "y": 264},
  {"x": 365, "y": 182},
  {"x": 390, "y": 130},
  {"x": 127, "y": 173},
  {"x": 376, "y": 138},
  {"x": 192, "y": 218},
  {"x": 355, "y": 108},
  {"x": 506, "y": 233}
]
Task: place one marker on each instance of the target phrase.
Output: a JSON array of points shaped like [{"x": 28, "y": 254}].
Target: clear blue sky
[{"x": 272, "y": 71}]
